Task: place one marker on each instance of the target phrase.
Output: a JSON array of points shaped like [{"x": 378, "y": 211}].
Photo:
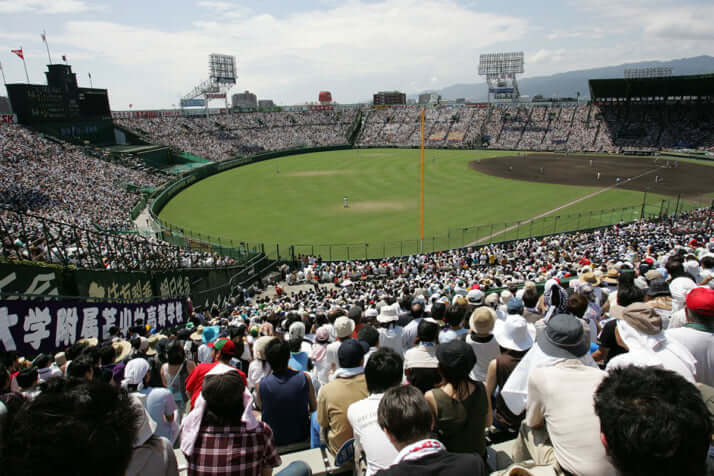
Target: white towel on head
[{"x": 653, "y": 350}]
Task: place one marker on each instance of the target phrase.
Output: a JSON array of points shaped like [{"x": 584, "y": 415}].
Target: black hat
[
  {"x": 351, "y": 352},
  {"x": 658, "y": 287},
  {"x": 456, "y": 356},
  {"x": 355, "y": 313},
  {"x": 564, "y": 337}
]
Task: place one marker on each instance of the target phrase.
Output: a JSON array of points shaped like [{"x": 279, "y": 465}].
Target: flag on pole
[
  {"x": 44, "y": 38},
  {"x": 90, "y": 75},
  {"x": 64, "y": 58},
  {"x": 18, "y": 53}
]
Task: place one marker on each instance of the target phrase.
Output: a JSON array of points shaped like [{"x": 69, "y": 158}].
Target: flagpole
[
  {"x": 47, "y": 45},
  {"x": 421, "y": 197},
  {"x": 90, "y": 80},
  {"x": 3, "y": 75},
  {"x": 27, "y": 76}
]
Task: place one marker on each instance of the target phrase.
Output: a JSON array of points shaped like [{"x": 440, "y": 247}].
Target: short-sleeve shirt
[
  {"x": 160, "y": 403},
  {"x": 233, "y": 450},
  {"x": 607, "y": 339}
]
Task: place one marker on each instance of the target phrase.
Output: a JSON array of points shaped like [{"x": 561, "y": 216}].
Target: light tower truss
[
  {"x": 501, "y": 70},
  {"x": 222, "y": 77}
]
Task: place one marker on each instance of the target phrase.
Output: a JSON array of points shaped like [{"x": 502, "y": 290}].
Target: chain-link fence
[{"x": 481, "y": 234}]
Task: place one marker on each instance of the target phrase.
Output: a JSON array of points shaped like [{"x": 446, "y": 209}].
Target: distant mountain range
[{"x": 570, "y": 83}]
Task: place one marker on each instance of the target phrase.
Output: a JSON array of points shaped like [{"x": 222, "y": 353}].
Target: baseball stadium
[{"x": 465, "y": 249}]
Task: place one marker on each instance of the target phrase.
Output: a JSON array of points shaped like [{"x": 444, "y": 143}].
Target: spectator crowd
[
  {"x": 226, "y": 136},
  {"x": 590, "y": 352},
  {"x": 571, "y": 127}
]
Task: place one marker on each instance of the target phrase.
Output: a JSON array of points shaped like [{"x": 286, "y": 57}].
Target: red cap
[
  {"x": 476, "y": 286},
  {"x": 649, "y": 260},
  {"x": 701, "y": 301},
  {"x": 226, "y": 346}
]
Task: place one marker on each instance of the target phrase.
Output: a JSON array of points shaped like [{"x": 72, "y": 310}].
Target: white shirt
[
  {"x": 409, "y": 333},
  {"x": 257, "y": 371},
  {"x": 701, "y": 345},
  {"x": 485, "y": 353},
  {"x": 561, "y": 397},
  {"x": 677, "y": 319},
  {"x": 391, "y": 337},
  {"x": 205, "y": 354},
  {"x": 331, "y": 354},
  {"x": 379, "y": 451}
]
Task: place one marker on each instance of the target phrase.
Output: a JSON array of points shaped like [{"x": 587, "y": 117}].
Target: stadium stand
[
  {"x": 553, "y": 316},
  {"x": 59, "y": 181},
  {"x": 602, "y": 127},
  {"x": 226, "y": 136}
]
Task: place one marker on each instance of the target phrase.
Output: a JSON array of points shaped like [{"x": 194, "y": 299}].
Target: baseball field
[{"x": 367, "y": 201}]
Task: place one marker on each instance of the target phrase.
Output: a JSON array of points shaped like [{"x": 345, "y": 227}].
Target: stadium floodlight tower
[
  {"x": 221, "y": 78},
  {"x": 648, "y": 73},
  {"x": 500, "y": 70}
]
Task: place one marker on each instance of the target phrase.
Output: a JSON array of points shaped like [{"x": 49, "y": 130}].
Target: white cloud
[
  {"x": 226, "y": 9},
  {"x": 45, "y": 6},
  {"x": 654, "y": 19},
  {"x": 219, "y": 6},
  {"x": 546, "y": 56},
  {"x": 685, "y": 23},
  {"x": 353, "y": 49}
]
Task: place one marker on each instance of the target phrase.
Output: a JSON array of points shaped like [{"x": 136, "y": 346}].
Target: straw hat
[
  {"x": 91, "y": 341},
  {"x": 589, "y": 278},
  {"x": 260, "y": 345},
  {"x": 197, "y": 334},
  {"x": 153, "y": 341},
  {"x": 482, "y": 320},
  {"x": 611, "y": 276},
  {"x": 122, "y": 349}
]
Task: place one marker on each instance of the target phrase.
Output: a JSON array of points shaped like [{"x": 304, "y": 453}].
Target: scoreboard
[{"x": 60, "y": 101}]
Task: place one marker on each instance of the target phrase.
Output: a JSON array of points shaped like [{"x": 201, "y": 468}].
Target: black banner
[{"x": 31, "y": 327}]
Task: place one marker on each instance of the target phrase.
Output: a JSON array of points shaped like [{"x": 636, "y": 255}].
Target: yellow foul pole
[{"x": 422, "y": 181}]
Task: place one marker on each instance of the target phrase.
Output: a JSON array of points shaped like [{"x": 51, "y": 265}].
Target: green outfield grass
[{"x": 298, "y": 200}]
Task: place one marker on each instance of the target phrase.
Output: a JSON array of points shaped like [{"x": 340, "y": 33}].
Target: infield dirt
[{"x": 693, "y": 181}]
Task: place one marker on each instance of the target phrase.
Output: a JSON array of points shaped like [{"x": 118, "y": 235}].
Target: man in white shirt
[
  {"x": 382, "y": 371},
  {"x": 561, "y": 427},
  {"x": 697, "y": 335}
]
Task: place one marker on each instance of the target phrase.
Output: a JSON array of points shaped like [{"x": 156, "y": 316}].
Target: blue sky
[{"x": 150, "y": 53}]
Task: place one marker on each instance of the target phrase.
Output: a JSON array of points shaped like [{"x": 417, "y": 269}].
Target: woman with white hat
[
  {"x": 514, "y": 341},
  {"x": 258, "y": 368},
  {"x": 159, "y": 402},
  {"x": 482, "y": 341},
  {"x": 390, "y": 333}
]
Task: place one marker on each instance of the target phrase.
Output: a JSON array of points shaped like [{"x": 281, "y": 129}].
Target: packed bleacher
[
  {"x": 563, "y": 127},
  {"x": 229, "y": 135},
  {"x": 59, "y": 181},
  {"x": 547, "y": 343},
  {"x": 60, "y": 205}
]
